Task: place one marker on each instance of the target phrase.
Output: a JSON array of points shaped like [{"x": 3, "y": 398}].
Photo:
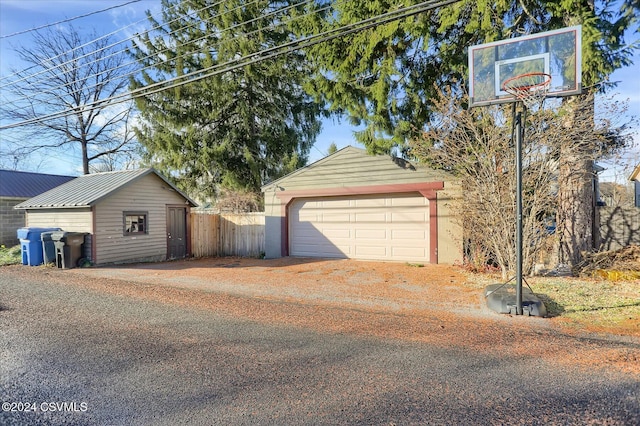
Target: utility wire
[
  {"x": 248, "y": 59},
  {"x": 102, "y": 83},
  {"x": 69, "y": 19},
  {"x": 89, "y": 43},
  {"x": 17, "y": 107},
  {"x": 186, "y": 54}
]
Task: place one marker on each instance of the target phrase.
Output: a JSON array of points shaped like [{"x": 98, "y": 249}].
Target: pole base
[{"x": 501, "y": 298}]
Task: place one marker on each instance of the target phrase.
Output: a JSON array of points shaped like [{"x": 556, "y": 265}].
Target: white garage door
[{"x": 380, "y": 227}]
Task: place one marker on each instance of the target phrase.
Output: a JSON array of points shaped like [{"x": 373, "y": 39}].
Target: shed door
[
  {"x": 176, "y": 232},
  {"x": 374, "y": 227}
]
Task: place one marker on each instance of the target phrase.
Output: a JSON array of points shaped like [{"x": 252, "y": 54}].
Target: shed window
[{"x": 135, "y": 223}]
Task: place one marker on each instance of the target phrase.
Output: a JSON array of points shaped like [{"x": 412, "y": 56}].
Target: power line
[
  {"x": 186, "y": 54},
  {"x": 250, "y": 59},
  {"x": 126, "y": 39},
  {"x": 69, "y": 19},
  {"x": 15, "y": 102}
]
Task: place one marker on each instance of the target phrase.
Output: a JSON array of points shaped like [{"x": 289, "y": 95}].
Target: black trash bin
[
  {"x": 48, "y": 247},
  {"x": 68, "y": 247}
]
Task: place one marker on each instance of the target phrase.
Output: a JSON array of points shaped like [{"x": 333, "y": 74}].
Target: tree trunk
[
  {"x": 85, "y": 158},
  {"x": 576, "y": 204}
]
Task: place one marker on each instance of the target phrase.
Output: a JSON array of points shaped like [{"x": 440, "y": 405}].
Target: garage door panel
[
  {"x": 376, "y": 227},
  {"x": 336, "y": 203},
  {"x": 372, "y": 252},
  {"x": 336, "y": 217},
  {"x": 328, "y": 251},
  {"x": 409, "y": 253},
  {"x": 370, "y": 217},
  {"x": 336, "y": 233},
  {"x": 409, "y": 217},
  {"x": 408, "y": 234},
  {"x": 370, "y": 202},
  {"x": 371, "y": 234},
  {"x": 407, "y": 201}
]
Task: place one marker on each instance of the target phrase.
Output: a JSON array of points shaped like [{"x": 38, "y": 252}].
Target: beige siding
[
  {"x": 72, "y": 220},
  {"x": 450, "y": 249},
  {"x": 147, "y": 194},
  {"x": 351, "y": 167}
]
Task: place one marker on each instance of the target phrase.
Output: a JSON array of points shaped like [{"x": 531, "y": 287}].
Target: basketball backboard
[{"x": 557, "y": 53}]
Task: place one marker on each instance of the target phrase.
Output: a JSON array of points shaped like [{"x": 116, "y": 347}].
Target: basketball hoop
[{"x": 530, "y": 88}]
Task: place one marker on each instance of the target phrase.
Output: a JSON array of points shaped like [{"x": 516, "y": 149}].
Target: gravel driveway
[{"x": 263, "y": 343}]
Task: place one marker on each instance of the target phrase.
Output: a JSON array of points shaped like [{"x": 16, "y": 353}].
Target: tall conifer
[{"x": 233, "y": 129}]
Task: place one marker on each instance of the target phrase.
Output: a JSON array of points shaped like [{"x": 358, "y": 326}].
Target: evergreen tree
[
  {"x": 234, "y": 129},
  {"x": 386, "y": 77},
  {"x": 332, "y": 148}
]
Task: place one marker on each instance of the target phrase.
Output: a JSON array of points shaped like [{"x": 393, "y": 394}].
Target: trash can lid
[
  {"x": 33, "y": 233},
  {"x": 63, "y": 236}
]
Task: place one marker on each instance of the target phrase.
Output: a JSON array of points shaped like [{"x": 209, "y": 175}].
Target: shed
[
  {"x": 16, "y": 187},
  {"x": 359, "y": 206},
  {"x": 129, "y": 216}
]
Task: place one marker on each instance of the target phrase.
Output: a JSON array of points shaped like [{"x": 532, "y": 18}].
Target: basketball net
[{"x": 530, "y": 88}]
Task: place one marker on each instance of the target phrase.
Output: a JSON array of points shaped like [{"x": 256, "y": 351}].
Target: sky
[{"x": 21, "y": 15}]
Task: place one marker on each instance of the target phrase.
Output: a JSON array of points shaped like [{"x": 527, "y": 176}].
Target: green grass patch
[
  {"x": 583, "y": 302},
  {"x": 591, "y": 301},
  {"x": 10, "y": 255}
]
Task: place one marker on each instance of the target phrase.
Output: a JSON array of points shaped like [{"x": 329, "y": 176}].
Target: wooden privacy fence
[
  {"x": 227, "y": 234},
  {"x": 619, "y": 227}
]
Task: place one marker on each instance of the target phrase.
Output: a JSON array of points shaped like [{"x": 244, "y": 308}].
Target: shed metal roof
[
  {"x": 87, "y": 190},
  {"x": 27, "y": 184}
]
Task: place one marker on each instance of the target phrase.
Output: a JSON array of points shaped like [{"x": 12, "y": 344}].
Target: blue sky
[{"x": 20, "y": 15}]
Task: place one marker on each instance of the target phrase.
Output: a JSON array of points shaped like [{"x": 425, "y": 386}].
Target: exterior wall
[
  {"x": 450, "y": 250},
  {"x": 148, "y": 194},
  {"x": 73, "y": 220},
  {"x": 352, "y": 167},
  {"x": 10, "y": 221}
]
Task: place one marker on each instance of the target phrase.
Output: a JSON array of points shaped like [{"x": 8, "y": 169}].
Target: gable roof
[
  {"x": 636, "y": 174},
  {"x": 357, "y": 160},
  {"x": 87, "y": 190},
  {"x": 27, "y": 184}
]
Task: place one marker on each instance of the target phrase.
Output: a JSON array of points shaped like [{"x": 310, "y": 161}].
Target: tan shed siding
[
  {"x": 148, "y": 194},
  {"x": 72, "y": 220}
]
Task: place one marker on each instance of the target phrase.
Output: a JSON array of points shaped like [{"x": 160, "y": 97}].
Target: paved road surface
[{"x": 123, "y": 360}]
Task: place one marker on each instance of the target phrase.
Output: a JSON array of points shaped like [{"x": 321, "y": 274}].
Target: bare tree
[
  {"x": 477, "y": 146},
  {"x": 61, "y": 101}
]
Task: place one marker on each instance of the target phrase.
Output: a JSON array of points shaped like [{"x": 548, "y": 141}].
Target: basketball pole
[{"x": 519, "y": 137}]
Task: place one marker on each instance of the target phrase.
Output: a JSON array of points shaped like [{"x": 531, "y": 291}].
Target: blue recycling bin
[{"x": 31, "y": 244}]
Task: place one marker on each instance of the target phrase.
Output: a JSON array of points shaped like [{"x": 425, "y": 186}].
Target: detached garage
[
  {"x": 128, "y": 216},
  {"x": 357, "y": 206}
]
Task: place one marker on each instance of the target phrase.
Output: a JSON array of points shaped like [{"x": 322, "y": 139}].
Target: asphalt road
[{"x": 120, "y": 360}]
